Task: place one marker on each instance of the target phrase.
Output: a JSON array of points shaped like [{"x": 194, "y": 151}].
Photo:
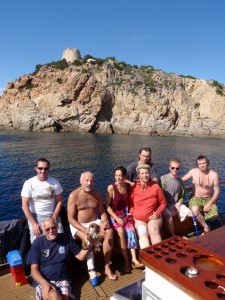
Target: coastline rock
[{"x": 112, "y": 97}]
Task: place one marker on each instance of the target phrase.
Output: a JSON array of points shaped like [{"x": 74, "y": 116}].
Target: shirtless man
[
  {"x": 203, "y": 201},
  {"x": 85, "y": 206}
]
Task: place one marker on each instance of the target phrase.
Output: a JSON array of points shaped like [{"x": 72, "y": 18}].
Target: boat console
[{"x": 178, "y": 268}]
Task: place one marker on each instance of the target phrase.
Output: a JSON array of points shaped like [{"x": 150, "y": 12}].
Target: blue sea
[{"x": 71, "y": 154}]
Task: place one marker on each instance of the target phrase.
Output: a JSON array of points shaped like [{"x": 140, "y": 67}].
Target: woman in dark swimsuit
[{"x": 117, "y": 206}]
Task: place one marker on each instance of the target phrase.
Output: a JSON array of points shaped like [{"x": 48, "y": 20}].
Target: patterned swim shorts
[
  {"x": 62, "y": 287},
  {"x": 201, "y": 202}
]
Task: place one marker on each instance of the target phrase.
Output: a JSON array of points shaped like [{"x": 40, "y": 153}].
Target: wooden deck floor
[
  {"x": 82, "y": 288},
  {"x": 8, "y": 290},
  {"x": 106, "y": 288}
]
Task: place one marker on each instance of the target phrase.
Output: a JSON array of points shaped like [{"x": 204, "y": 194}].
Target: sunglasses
[
  {"x": 174, "y": 168},
  {"x": 40, "y": 168},
  {"x": 52, "y": 228}
]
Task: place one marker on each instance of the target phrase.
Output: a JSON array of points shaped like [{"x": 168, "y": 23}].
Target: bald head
[
  {"x": 86, "y": 173},
  {"x": 48, "y": 219},
  {"x": 50, "y": 228}
]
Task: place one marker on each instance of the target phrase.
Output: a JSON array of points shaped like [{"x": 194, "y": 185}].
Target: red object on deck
[
  {"x": 16, "y": 267},
  {"x": 18, "y": 275}
]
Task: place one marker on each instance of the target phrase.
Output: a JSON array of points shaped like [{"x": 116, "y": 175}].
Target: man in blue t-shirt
[{"x": 48, "y": 258}]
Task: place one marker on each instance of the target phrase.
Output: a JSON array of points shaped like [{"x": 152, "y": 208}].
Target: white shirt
[{"x": 42, "y": 194}]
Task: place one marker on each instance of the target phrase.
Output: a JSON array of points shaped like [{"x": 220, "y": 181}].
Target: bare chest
[{"x": 87, "y": 202}]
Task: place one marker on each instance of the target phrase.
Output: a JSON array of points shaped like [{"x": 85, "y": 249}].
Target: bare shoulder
[
  {"x": 189, "y": 175},
  {"x": 74, "y": 195},
  {"x": 110, "y": 188},
  {"x": 214, "y": 174},
  {"x": 194, "y": 171}
]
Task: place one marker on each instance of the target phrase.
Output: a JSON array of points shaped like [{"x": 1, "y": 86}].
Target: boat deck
[{"x": 82, "y": 288}]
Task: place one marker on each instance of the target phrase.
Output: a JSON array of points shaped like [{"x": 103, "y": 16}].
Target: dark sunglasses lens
[
  {"x": 46, "y": 169},
  {"x": 175, "y": 168},
  {"x": 52, "y": 228}
]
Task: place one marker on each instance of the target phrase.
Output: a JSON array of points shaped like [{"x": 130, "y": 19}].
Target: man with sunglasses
[
  {"x": 172, "y": 186},
  {"x": 144, "y": 157},
  {"x": 49, "y": 257},
  {"x": 205, "y": 192},
  {"x": 41, "y": 198}
]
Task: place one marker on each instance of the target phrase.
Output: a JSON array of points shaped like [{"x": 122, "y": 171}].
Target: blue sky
[{"x": 182, "y": 37}]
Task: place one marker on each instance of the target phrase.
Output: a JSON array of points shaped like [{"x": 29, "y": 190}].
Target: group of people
[{"x": 136, "y": 206}]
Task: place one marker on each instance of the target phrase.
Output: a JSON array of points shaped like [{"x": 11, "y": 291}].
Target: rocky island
[{"x": 107, "y": 96}]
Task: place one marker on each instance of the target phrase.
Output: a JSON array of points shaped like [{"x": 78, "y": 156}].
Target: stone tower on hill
[{"x": 70, "y": 54}]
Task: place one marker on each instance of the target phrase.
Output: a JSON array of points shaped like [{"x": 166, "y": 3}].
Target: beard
[{"x": 52, "y": 237}]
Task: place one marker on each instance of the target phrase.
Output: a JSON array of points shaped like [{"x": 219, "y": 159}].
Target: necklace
[{"x": 202, "y": 180}]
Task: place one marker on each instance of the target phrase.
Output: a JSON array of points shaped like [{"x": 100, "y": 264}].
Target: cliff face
[{"x": 113, "y": 98}]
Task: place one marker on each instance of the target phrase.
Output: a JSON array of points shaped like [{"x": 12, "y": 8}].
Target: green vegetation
[
  {"x": 86, "y": 57},
  {"x": 29, "y": 86},
  {"x": 119, "y": 82},
  {"x": 167, "y": 83},
  {"x": 60, "y": 64},
  {"x": 187, "y": 76},
  {"x": 219, "y": 87},
  {"x": 147, "y": 72},
  {"x": 110, "y": 58},
  {"x": 122, "y": 66},
  {"x": 132, "y": 91},
  {"x": 98, "y": 61},
  {"x": 144, "y": 71},
  {"x": 147, "y": 68},
  {"x": 118, "y": 66},
  {"x": 77, "y": 62},
  {"x": 37, "y": 69},
  {"x": 84, "y": 71}
]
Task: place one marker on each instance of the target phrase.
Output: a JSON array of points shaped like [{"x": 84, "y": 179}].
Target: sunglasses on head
[
  {"x": 52, "y": 228},
  {"x": 174, "y": 168},
  {"x": 40, "y": 168}
]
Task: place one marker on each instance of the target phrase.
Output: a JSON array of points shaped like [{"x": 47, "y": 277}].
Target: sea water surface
[{"x": 71, "y": 154}]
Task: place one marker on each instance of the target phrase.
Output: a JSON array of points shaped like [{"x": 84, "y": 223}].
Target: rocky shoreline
[{"x": 107, "y": 96}]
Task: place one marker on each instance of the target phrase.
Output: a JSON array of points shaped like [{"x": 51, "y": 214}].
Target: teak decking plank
[
  {"x": 83, "y": 290},
  {"x": 8, "y": 290}
]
